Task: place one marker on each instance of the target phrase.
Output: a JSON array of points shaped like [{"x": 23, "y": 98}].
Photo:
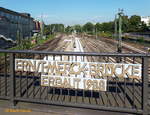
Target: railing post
[
  {"x": 145, "y": 85},
  {"x": 12, "y": 79}
]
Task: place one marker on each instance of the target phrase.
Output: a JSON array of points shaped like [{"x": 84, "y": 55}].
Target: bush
[
  {"x": 141, "y": 39},
  {"x": 105, "y": 34},
  {"x": 26, "y": 44}
]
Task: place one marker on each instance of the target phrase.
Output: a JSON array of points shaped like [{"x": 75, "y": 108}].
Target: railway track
[
  {"x": 127, "y": 48},
  {"x": 92, "y": 46}
]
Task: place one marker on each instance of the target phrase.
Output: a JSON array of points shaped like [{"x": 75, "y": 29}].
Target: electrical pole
[
  {"x": 42, "y": 26},
  {"x": 116, "y": 33},
  {"x": 120, "y": 31},
  {"x": 95, "y": 32}
]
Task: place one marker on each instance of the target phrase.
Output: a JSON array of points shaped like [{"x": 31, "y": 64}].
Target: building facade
[
  {"x": 14, "y": 24},
  {"x": 146, "y": 20}
]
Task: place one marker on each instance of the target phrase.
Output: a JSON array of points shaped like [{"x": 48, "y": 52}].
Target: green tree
[
  {"x": 98, "y": 27},
  {"x": 68, "y": 29},
  {"x": 89, "y": 28},
  {"x": 149, "y": 25},
  {"x": 78, "y": 28},
  {"x": 134, "y": 23},
  {"x": 49, "y": 29},
  {"x": 107, "y": 27},
  {"x": 143, "y": 27}
]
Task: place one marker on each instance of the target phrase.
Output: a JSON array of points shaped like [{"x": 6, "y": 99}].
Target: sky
[{"x": 70, "y": 12}]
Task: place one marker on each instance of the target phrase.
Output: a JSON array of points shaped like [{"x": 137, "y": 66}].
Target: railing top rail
[{"x": 77, "y": 53}]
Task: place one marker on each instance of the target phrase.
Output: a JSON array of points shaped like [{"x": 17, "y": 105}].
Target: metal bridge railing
[{"x": 129, "y": 95}]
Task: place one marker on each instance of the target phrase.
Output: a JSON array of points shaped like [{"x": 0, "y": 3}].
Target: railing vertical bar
[
  {"x": 106, "y": 61},
  {"x": 1, "y": 63},
  {"x": 47, "y": 88},
  {"x": 40, "y": 80},
  {"x": 145, "y": 85},
  {"x": 34, "y": 79},
  {"x": 68, "y": 88},
  {"x": 5, "y": 74},
  {"x": 20, "y": 80},
  {"x": 53, "y": 74},
  {"x": 116, "y": 90},
  {"x": 125, "y": 85},
  {"x": 76, "y": 93},
  {"x": 12, "y": 79},
  {"x": 61, "y": 92},
  {"x": 27, "y": 81},
  {"x": 83, "y": 92}
]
